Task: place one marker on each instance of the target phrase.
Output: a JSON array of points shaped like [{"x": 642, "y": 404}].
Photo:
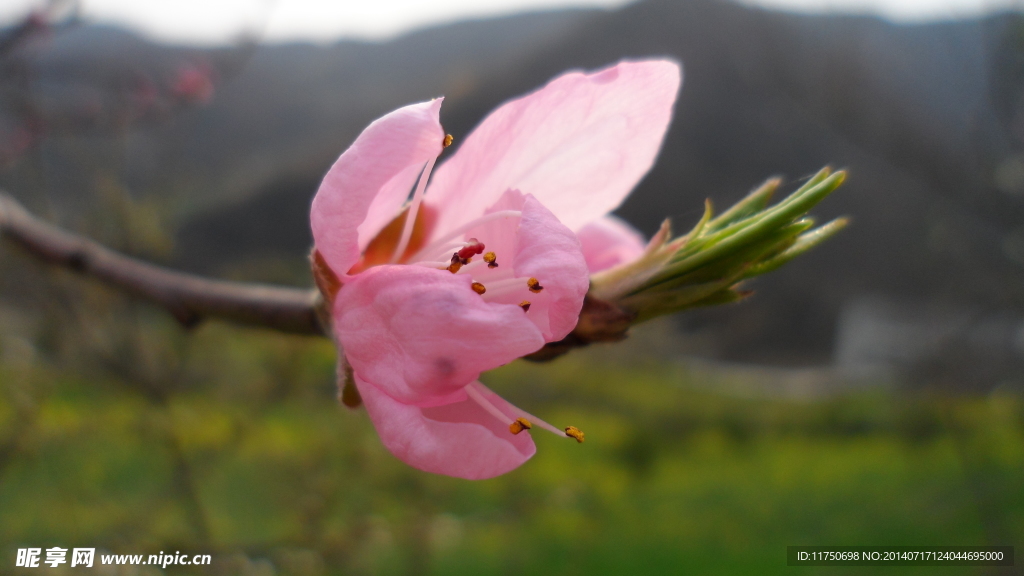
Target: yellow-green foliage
[{"x": 230, "y": 442}]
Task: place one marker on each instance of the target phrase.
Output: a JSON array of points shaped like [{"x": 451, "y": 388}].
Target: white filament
[
  {"x": 436, "y": 245},
  {"x": 534, "y": 420},
  {"x": 410, "y": 219},
  {"x": 484, "y": 403}
]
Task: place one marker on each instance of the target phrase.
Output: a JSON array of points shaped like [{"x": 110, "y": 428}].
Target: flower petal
[
  {"x": 422, "y": 334},
  {"x": 551, "y": 253},
  {"x": 608, "y": 242},
  {"x": 387, "y": 204},
  {"x": 579, "y": 145},
  {"x": 365, "y": 188},
  {"x": 458, "y": 439}
]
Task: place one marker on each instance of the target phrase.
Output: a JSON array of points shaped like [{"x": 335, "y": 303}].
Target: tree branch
[
  {"x": 192, "y": 299},
  {"x": 189, "y": 298},
  {"x": 702, "y": 268}
]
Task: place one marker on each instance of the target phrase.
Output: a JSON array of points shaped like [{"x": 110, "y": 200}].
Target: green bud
[{"x": 705, "y": 266}]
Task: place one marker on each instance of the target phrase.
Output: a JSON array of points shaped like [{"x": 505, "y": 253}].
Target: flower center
[
  {"x": 407, "y": 232},
  {"x": 488, "y": 282}
]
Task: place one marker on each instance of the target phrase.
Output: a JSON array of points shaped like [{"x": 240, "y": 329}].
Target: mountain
[{"x": 929, "y": 120}]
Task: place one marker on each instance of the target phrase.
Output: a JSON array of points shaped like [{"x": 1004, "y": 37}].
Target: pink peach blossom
[
  {"x": 193, "y": 83},
  {"x": 484, "y": 266},
  {"x": 608, "y": 242}
]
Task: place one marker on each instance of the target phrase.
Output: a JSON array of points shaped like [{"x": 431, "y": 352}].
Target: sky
[{"x": 206, "y": 22}]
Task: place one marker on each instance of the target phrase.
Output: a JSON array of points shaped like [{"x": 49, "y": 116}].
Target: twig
[
  {"x": 189, "y": 298},
  {"x": 192, "y": 299}
]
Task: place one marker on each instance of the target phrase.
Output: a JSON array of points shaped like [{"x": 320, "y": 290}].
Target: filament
[
  {"x": 538, "y": 422},
  {"x": 414, "y": 208},
  {"x": 502, "y": 287},
  {"x": 436, "y": 244},
  {"x": 484, "y": 403}
]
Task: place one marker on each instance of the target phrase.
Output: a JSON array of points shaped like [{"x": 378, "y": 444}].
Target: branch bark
[
  {"x": 189, "y": 298},
  {"x": 192, "y": 299}
]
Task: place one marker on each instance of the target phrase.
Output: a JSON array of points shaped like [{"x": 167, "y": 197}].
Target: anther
[
  {"x": 575, "y": 433},
  {"x": 472, "y": 248},
  {"x": 492, "y": 259},
  {"x": 478, "y": 288},
  {"x": 534, "y": 285},
  {"x": 456, "y": 263},
  {"x": 519, "y": 425},
  {"x": 525, "y": 305},
  {"x": 448, "y": 139}
]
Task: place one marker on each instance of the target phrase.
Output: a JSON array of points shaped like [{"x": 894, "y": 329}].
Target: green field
[{"x": 230, "y": 442}]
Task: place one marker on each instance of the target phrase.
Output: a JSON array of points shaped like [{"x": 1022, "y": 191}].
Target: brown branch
[
  {"x": 189, "y": 298},
  {"x": 599, "y": 321}
]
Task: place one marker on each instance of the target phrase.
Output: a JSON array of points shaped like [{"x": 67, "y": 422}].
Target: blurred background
[{"x": 869, "y": 393}]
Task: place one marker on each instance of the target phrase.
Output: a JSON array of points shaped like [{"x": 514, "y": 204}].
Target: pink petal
[
  {"x": 458, "y": 439},
  {"x": 365, "y": 188},
  {"x": 422, "y": 334},
  {"x": 579, "y": 145},
  {"x": 551, "y": 253},
  {"x": 536, "y": 245},
  {"x": 387, "y": 203},
  {"x": 608, "y": 242}
]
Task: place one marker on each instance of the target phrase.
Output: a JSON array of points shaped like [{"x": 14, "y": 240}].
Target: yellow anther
[
  {"x": 534, "y": 285},
  {"x": 478, "y": 288},
  {"x": 457, "y": 263},
  {"x": 492, "y": 259},
  {"x": 574, "y": 432},
  {"x": 525, "y": 305},
  {"x": 519, "y": 425},
  {"x": 447, "y": 140}
]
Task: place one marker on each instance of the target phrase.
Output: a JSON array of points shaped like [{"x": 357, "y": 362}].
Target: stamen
[
  {"x": 497, "y": 287},
  {"x": 492, "y": 259},
  {"x": 434, "y": 246},
  {"x": 525, "y": 305},
  {"x": 484, "y": 403},
  {"x": 456, "y": 263},
  {"x": 574, "y": 433},
  {"x": 414, "y": 208},
  {"x": 458, "y": 258},
  {"x": 519, "y": 425},
  {"x": 448, "y": 139},
  {"x": 472, "y": 266},
  {"x": 437, "y": 264},
  {"x": 526, "y": 420},
  {"x": 478, "y": 288},
  {"x": 534, "y": 421},
  {"x": 534, "y": 285}
]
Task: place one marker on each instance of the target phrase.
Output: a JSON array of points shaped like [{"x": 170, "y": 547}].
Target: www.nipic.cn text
[{"x": 85, "y": 557}]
